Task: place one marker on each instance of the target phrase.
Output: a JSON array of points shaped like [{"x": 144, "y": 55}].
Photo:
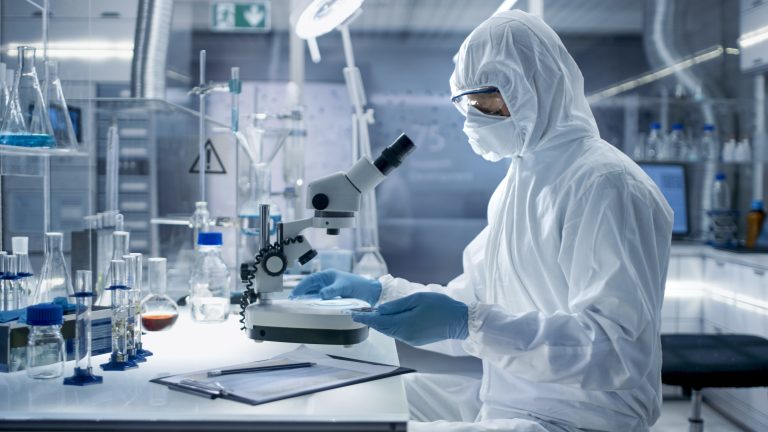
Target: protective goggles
[{"x": 487, "y": 100}]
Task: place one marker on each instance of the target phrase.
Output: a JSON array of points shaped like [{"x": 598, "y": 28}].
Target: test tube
[
  {"x": 118, "y": 289},
  {"x": 132, "y": 264},
  {"x": 84, "y": 299}
]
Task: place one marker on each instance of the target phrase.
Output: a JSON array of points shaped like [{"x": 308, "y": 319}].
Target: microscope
[{"x": 335, "y": 200}]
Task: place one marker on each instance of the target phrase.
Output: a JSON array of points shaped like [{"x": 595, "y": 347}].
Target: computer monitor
[{"x": 670, "y": 178}]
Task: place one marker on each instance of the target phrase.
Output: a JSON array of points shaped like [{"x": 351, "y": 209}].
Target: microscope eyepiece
[{"x": 393, "y": 155}]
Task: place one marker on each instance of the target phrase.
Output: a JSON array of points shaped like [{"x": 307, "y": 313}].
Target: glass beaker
[
  {"x": 158, "y": 311},
  {"x": 25, "y": 119},
  {"x": 54, "y": 279},
  {"x": 120, "y": 240},
  {"x": 58, "y": 112}
]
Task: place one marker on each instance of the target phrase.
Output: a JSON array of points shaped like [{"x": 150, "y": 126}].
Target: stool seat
[{"x": 697, "y": 361}]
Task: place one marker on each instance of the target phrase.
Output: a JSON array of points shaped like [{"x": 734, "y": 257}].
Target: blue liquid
[{"x": 27, "y": 140}]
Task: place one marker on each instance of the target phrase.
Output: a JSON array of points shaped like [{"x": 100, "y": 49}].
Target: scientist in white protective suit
[{"x": 561, "y": 293}]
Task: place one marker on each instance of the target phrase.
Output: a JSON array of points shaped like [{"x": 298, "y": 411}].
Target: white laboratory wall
[{"x": 710, "y": 291}]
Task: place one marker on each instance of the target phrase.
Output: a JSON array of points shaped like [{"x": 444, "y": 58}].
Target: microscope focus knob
[
  {"x": 274, "y": 263},
  {"x": 320, "y": 201}
]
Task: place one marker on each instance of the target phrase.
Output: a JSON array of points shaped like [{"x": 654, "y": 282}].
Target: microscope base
[{"x": 325, "y": 322}]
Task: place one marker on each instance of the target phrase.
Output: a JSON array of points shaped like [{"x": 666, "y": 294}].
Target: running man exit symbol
[{"x": 213, "y": 164}]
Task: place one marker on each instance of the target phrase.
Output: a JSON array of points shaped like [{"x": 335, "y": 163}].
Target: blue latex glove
[
  {"x": 333, "y": 283},
  {"x": 419, "y": 319}
]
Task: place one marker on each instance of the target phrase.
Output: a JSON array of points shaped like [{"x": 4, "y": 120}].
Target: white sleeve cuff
[
  {"x": 389, "y": 289},
  {"x": 476, "y": 314}
]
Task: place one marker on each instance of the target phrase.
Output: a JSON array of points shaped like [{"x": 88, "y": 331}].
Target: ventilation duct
[{"x": 150, "y": 48}]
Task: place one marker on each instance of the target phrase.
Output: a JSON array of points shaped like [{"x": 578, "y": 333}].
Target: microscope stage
[{"x": 310, "y": 321}]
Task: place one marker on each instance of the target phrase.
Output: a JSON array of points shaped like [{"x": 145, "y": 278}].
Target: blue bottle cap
[
  {"x": 45, "y": 314},
  {"x": 720, "y": 176},
  {"x": 656, "y": 126},
  {"x": 709, "y": 127},
  {"x": 677, "y": 126},
  {"x": 209, "y": 239},
  {"x": 757, "y": 204}
]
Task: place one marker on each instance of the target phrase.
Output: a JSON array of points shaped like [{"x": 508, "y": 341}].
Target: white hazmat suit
[{"x": 566, "y": 282}]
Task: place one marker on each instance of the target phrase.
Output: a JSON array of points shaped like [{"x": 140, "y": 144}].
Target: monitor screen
[{"x": 670, "y": 178}]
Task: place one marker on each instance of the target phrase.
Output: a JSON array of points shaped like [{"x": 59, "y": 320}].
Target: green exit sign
[{"x": 253, "y": 16}]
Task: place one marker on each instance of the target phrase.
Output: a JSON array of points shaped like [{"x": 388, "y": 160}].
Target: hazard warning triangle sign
[{"x": 213, "y": 164}]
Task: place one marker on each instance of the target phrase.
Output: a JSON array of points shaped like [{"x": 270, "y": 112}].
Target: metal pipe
[
  {"x": 201, "y": 162},
  {"x": 759, "y": 140},
  {"x": 150, "y": 48},
  {"x": 264, "y": 221}
]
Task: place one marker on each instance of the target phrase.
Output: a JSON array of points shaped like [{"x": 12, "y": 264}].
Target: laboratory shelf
[{"x": 39, "y": 151}]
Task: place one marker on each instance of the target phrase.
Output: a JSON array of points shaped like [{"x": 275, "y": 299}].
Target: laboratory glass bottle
[
  {"x": 118, "y": 293},
  {"x": 26, "y": 276},
  {"x": 710, "y": 150},
  {"x": 209, "y": 282},
  {"x": 654, "y": 143},
  {"x": 25, "y": 119},
  {"x": 83, "y": 374},
  {"x": 678, "y": 146},
  {"x": 54, "y": 282},
  {"x": 45, "y": 345},
  {"x": 61, "y": 122},
  {"x": 158, "y": 311},
  {"x": 120, "y": 241},
  {"x": 755, "y": 219},
  {"x": 721, "y": 194},
  {"x": 9, "y": 283}
]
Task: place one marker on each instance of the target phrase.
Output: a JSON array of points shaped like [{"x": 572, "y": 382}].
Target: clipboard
[{"x": 258, "y": 388}]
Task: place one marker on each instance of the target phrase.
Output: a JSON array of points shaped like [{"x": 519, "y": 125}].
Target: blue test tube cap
[
  {"x": 45, "y": 314},
  {"x": 209, "y": 239},
  {"x": 757, "y": 205},
  {"x": 709, "y": 127},
  {"x": 656, "y": 126},
  {"x": 677, "y": 126},
  {"x": 720, "y": 176}
]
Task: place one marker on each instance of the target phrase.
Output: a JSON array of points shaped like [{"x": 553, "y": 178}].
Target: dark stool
[{"x": 698, "y": 361}]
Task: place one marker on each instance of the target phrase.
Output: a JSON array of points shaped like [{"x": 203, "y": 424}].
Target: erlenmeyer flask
[
  {"x": 120, "y": 241},
  {"x": 5, "y": 92},
  {"x": 61, "y": 122},
  {"x": 25, "y": 119},
  {"x": 54, "y": 279}
]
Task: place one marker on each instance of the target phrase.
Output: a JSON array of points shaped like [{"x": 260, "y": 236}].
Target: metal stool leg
[{"x": 695, "y": 422}]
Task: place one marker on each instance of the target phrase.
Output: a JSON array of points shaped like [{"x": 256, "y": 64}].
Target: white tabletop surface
[{"x": 188, "y": 347}]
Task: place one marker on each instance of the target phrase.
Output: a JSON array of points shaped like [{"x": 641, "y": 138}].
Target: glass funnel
[
  {"x": 54, "y": 279},
  {"x": 58, "y": 112},
  {"x": 158, "y": 311},
  {"x": 25, "y": 118}
]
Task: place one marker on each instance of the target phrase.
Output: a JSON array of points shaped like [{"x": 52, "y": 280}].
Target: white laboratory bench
[
  {"x": 714, "y": 291},
  {"x": 128, "y": 401}
]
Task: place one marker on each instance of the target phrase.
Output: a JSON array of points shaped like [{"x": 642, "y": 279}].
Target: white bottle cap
[{"x": 20, "y": 245}]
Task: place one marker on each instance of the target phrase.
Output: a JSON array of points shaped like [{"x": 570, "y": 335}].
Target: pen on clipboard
[{"x": 215, "y": 373}]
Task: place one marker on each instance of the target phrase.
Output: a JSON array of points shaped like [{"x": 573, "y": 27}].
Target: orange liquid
[{"x": 158, "y": 322}]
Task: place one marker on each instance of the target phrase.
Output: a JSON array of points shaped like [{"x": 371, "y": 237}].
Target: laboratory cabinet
[{"x": 711, "y": 291}]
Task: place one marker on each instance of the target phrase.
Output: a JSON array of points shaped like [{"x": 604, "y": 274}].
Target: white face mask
[{"x": 492, "y": 137}]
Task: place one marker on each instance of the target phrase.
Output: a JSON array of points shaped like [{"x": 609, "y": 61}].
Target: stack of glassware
[{"x": 34, "y": 117}]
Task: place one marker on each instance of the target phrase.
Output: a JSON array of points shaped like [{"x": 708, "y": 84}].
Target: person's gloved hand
[
  {"x": 419, "y": 319},
  {"x": 333, "y": 283}
]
